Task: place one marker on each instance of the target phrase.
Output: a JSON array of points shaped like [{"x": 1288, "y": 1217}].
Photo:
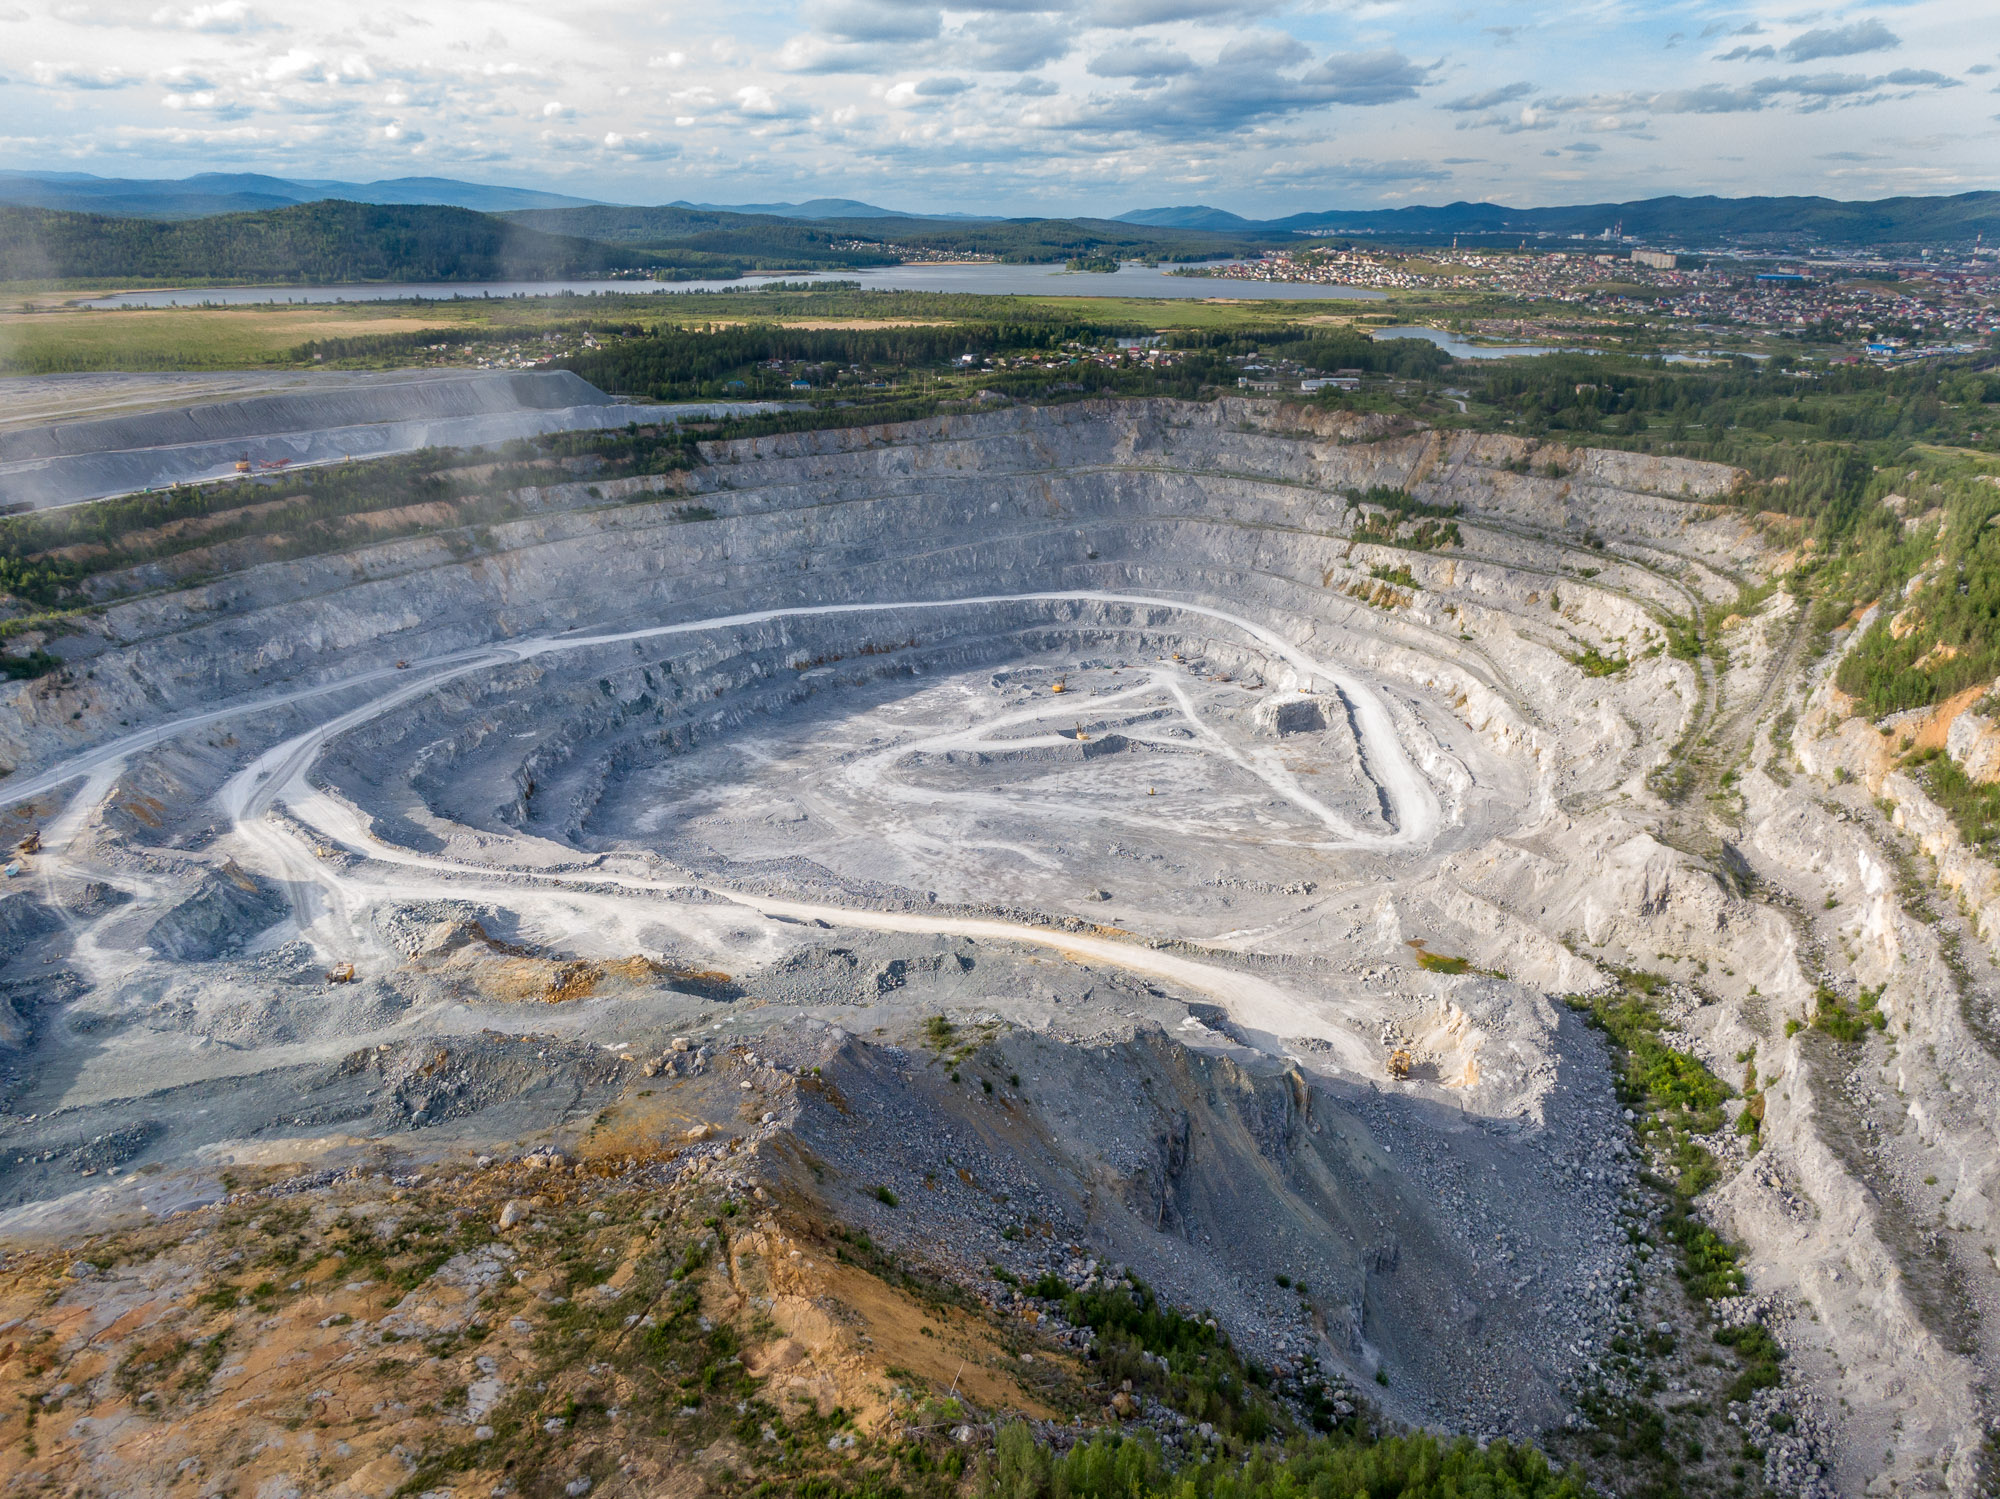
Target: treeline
[
  {"x": 313, "y": 242},
  {"x": 696, "y": 239},
  {"x": 391, "y": 346},
  {"x": 1323, "y": 349},
  {"x": 46, "y": 556},
  {"x": 678, "y": 363},
  {"x": 1938, "y": 519},
  {"x": 1884, "y": 475},
  {"x": 1857, "y": 403},
  {"x": 1042, "y": 241},
  {"x": 1418, "y": 1466},
  {"x": 709, "y": 231}
]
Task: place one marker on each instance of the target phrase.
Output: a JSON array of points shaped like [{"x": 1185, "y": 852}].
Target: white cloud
[
  {"x": 1129, "y": 13},
  {"x": 184, "y": 80},
  {"x": 875, "y": 21},
  {"x": 1253, "y": 80},
  {"x": 1008, "y": 44},
  {"x": 1489, "y": 98},
  {"x": 50, "y": 75},
  {"x": 640, "y": 147},
  {"x": 1008, "y": 105},
  {"x": 1376, "y": 173},
  {"x": 227, "y": 17},
  {"x": 758, "y": 101},
  {"x": 1842, "y": 41},
  {"x": 1141, "y": 59}
]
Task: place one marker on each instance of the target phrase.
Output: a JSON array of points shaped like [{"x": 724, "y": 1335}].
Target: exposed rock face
[
  {"x": 360, "y": 416},
  {"x": 1191, "y": 869},
  {"x": 228, "y": 908}
]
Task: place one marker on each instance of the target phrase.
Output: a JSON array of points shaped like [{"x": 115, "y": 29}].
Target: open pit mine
[{"x": 743, "y": 961}]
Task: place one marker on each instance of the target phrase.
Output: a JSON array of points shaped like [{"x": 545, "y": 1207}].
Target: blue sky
[{"x": 1020, "y": 106}]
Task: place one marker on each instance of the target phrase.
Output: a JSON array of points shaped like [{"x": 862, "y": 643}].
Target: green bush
[
  {"x": 1595, "y": 664},
  {"x": 1418, "y": 1466},
  {"x": 1843, "y": 1022},
  {"x": 1760, "y": 1354}
]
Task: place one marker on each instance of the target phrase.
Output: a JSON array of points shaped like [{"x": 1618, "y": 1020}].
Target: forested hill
[
  {"x": 312, "y": 242},
  {"x": 1958, "y": 219},
  {"x": 698, "y": 237},
  {"x": 761, "y": 239}
]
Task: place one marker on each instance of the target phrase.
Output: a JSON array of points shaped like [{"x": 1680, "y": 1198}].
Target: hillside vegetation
[
  {"x": 335, "y": 241},
  {"x": 1034, "y": 357},
  {"x": 1957, "y": 219},
  {"x": 760, "y": 238},
  {"x": 313, "y": 242}
]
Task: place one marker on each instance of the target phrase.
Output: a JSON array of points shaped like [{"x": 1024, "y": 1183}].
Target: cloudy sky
[{"x": 1019, "y": 106}]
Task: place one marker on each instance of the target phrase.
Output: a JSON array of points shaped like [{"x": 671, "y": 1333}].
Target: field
[
  {"x": 49, "y": 333},
  {"x": 68, "y": 340}
]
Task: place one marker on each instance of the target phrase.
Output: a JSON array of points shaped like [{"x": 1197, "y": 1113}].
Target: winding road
[{"x": 330, "y": 898}]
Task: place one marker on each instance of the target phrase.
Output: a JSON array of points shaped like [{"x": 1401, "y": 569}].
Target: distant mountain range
[
  {"x": 1702, "y": 220},
  {"x": 327, "y": 241},
  {"x": 335, "y": 240},
  {"x": 777, "y": 236},
  {"x": 829, "y": 208},
  {"x": 245, "y": 192},
  {"x": 1196, "y": 216}
]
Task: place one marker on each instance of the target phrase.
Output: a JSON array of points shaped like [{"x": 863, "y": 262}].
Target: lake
[
  {"x": 1458, "y": 348},
  {"x": 985, "y": 278}
]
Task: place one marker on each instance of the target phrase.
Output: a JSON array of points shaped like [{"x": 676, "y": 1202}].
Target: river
[{"x": 985, "y": 277}]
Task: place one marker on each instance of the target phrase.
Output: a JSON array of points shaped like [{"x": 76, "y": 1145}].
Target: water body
[
  {"x": 990, "y": 279},
  {"x": 1458, "y": 348}
]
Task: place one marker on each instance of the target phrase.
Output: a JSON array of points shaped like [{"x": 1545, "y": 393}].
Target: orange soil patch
[{"x": 1932, "y": 734}]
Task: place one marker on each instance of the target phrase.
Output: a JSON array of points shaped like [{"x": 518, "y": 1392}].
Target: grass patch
[
  {"x": 1972, "y": 806},
  {"x": 1170, "y": 1356},
  {"x": 1845, "y": 1022},
  {"x": 1593, "y": 663},
  {"x": 1761, "y": 1356},
  {"x": 1437, "y": 962},
  {"x": 1674, "y": 1097}
]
